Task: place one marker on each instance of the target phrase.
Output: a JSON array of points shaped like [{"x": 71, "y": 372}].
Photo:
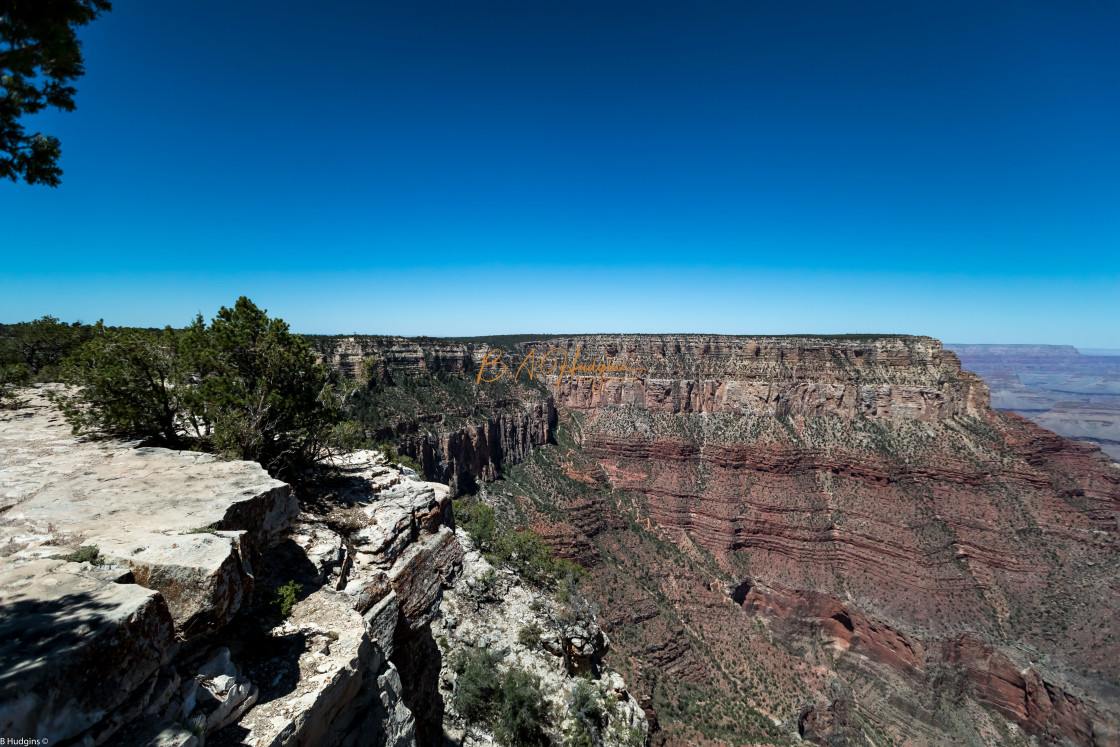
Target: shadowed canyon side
[
  {"x": 420, "y": 395},
  {"x": 827, "y": 538}
]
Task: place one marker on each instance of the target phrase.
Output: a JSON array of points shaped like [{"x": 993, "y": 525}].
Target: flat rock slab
[
  {"x": 204, "y": 577},
  {"x": 175, "y": 532},
  {"x": 73, "y": 645},
  {"x": 52, "y": 483}
]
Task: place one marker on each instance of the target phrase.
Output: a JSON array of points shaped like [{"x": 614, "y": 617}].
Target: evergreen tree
[
  {"x": 262, "y": 390},
  {"x": 40, "y": 57},
  {"x": 129, "y": 382},
  {"x": 244, "y": 386}
]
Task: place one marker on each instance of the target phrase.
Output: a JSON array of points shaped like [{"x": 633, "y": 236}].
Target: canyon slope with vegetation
[{"x": 833, "y": 539}]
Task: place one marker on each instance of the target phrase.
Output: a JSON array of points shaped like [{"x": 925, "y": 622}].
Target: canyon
[{"x": 833, "y": 539}]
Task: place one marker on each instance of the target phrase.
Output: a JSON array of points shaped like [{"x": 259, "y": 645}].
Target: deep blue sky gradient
[{"x": 933, "y": 167}]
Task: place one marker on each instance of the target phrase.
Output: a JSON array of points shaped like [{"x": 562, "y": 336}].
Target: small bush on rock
[
  {"x": 586, "y": 705},
  {"x": 522, "y": 711},
  {"x": 478, "y": 523},
  {"x": 286, "y": 598},
  {"x": 392, "y": 455},
  {"x": 84, "y": 554},
  {"x": 530, "y": 635},
  {"x": 533, "y": 559},
  {"x": 512, "y": 705},
  {"x": 477, "y": 685}
]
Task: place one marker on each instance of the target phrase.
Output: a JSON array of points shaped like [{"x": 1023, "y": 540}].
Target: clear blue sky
[{"x": 418, "y": 167}]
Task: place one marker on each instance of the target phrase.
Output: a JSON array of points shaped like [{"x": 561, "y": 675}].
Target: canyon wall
[
  {"x": 461, "y": 442},
  {"x": 901, "y": 378},
  {"x": 860, "y": 491},
  {"x": 884, "y": 502},
  {"x": 421, "y": 355},
  {"x": 463, "y": 457}
]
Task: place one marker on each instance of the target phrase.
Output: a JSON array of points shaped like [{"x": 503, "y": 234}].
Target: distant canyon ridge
[{"x": 1074, "y": 394}]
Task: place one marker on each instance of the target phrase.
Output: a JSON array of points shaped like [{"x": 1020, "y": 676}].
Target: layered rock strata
[
  {"x": 865, "y": 487},
  {"x": 860, "y": 499},
  {"x": 889, "y": 377}
]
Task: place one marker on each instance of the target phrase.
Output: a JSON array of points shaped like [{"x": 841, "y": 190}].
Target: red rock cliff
[{"x": 861, "y": 489}]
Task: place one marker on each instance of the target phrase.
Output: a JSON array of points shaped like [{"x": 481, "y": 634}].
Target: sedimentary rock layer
[
  {"x": 863, "y": 488},
  {"x": 903, "y": 378}
]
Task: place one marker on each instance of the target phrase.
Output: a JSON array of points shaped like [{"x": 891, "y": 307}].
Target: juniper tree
[{"x": 126, "y": 382}]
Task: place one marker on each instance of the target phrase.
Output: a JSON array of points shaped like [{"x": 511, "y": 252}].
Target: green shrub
[
  {"x": 484, "y": 586},
  {"x": 396, "y": 457},
  {"x": 533, "y": 559},
  {"x": 586, "y": 706},
  {"x": 245, "y": 386},
  {"x": 41, "y": 345},
  {"x": 525, "y": 550},
  {"x": 530, "y": 635},
  {"x": 578, "y": 736},
  {"x": 478, "y": 683},
  {"x": 522, "y": 710},
  {"x": 12, "y": 377},
  {"x": 261, "y": 387},
  {"x": 511, "y": 704},
  {"x": 84, "y": 554},
  {"x": 129, "y": 382},
  {"x": 481, "y": 526},
  {"x": 286, "y": 598}
]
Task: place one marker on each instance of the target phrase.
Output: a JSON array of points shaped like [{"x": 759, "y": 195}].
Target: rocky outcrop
[
  {"x": 76, "y": 646},
  {"x": 90, "y": 639},
  {"x": 123, "y": 640},
  {"x": 559, "y": 643},
  {"x": 371, "y": 564}
]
